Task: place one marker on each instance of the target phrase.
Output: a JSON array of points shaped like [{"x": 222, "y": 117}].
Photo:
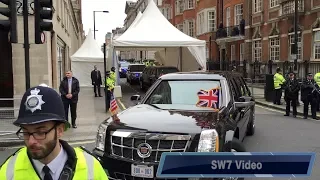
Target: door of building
[{"x": 6, "y": 72}]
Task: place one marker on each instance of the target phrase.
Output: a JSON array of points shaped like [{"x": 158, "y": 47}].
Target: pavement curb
[{"x": 266, "y": 104}]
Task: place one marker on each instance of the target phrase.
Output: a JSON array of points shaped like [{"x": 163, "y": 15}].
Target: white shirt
[{"x": 56, "y": 165}]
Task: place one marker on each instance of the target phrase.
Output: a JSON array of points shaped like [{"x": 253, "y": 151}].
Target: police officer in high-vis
[
  {"x": 110, "y": 87},
  {"x": 278, "y": 82},
  {"x": 317, "y": 80},
  {"x": 45, "y": 156},
  {"x": 113, "y": 74}
]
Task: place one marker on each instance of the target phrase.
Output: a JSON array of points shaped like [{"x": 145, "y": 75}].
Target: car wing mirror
[
  {"x": 244, "y": 104},
  {"x": 135, "y": 97}
]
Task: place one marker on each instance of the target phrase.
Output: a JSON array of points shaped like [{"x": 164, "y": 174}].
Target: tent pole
[{"x": 180, "y": 58}]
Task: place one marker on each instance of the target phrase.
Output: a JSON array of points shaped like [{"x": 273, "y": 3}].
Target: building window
[
  {"x": 238, "y": 14},
  {"x": 191, "y": 28},
  {"x": 200, "y": 23},
  {"x": 190, "y": 4},
  {"x": 181, "y": 6},
  {"x": 316, "y": 45},
  {"x": 274, "y": 3},
  {"x": 180, "y": 27},
  {"x": 257, "y": 50},
  {"x": 288, "y": 7},
  {"x": 211, "y": 20},
  {"x": 257, "y": 6},
  {"x": 228, "y": 17},
  {"x": 291, "y": 42},
  {"x": 233, "y": 52},
  {"x": 274, "y": 49},
  {"x": 241, "y": 52},
  {"x": 207, "y": 52}
]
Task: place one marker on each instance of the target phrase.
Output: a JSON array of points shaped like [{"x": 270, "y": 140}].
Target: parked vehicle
[
  {"x": 123, "y": 67},
  {"x": 133, "y": 73},
  {"x": 151, "y": 73},
  {"x": 176, "y": 115}
]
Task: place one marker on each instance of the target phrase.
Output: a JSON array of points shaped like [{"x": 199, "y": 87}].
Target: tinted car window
[
  {"x": 180, "y": 92},
  {"x": 137, "y": 68},
  {"x": 167, "y": 70}
]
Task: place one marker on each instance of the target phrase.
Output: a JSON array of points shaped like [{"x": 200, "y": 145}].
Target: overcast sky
[{"x": 105, "y": 22}]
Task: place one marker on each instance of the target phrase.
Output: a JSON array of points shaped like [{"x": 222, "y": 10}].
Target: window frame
[
  {"x": 238, "y": 17},
  {"x": 274, "y": 46},
  {"x": 300, "y": 46},
  {"x": 274, "y": 3},
  {"x": 257, "y": 6},
  {"x": 256, "y": 50},
  {"x": 316, "y": 43}
]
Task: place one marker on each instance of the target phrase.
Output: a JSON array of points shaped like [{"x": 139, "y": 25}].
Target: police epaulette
[{"x": 13, "y": 154}]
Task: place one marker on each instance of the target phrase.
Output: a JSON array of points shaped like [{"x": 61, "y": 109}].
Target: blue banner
[{"x": 238, "y": 164}]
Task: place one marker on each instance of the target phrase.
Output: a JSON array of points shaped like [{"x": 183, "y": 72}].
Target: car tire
[{"x": 251, "y": 126}]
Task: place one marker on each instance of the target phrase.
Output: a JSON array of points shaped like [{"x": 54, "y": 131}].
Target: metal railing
[{"x": 230, "y": 31}]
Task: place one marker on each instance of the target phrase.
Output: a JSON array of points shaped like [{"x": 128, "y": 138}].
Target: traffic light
[
  {"x": 10, "y": 24},
  {"x": 42, "y": 16}
]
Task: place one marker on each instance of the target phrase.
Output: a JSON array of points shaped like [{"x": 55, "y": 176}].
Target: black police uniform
[
  {"x": 291, "y": 93},
  {"x": 309, "y": 94}
]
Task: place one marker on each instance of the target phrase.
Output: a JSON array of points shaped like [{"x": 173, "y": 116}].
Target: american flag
[
  {"x": 209, "y": 99},
  {"x": 113, "y": 105}
]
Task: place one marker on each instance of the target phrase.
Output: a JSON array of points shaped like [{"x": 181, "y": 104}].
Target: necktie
[{"x": 47, "y": 175}]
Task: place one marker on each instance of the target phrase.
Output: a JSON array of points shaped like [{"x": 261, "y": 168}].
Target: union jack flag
[
  {"x": 209, "y": 99},
  {"x": 113, "y": 105}
]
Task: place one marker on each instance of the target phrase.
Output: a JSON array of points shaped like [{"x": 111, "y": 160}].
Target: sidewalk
[
  {"x": 258, "y": 93},
  {"x": 91, "y": 112}
]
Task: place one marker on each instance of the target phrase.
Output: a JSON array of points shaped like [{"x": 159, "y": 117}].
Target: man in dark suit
[
  {"x": 96, "y": 81},
  {"x": 69, "y": 90}
]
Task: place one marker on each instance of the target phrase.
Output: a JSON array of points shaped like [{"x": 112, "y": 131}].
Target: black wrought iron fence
[{"x": 256, "y": 70}]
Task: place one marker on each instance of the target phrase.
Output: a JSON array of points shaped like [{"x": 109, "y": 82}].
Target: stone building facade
[{"x": 48, "y": 61}]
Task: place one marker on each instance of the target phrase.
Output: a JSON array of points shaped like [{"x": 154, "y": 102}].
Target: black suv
[
  {"x": 176, "y": 115},
  {"x": 134, "y": 72},
  {"x": 151, "y": 73}
]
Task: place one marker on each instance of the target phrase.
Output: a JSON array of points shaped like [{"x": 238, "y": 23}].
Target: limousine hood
[{"x": 153, "y": 119}]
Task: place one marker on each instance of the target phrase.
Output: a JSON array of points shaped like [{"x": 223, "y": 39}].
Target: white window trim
[
  {"x": 253, "y": 8},
  {"x": 269, "y": 44},
  {"x": 241, "y": 52},
  {"x": 206, "y": 23},
  {"x": 253, "y": 54},
  {"x": 270, "y": 4},
  {"x": 233, "y": 52},
  {"x": 187, "y": 4},
  {"x": 235, "y": 14},
  {"x": 300, "y": 44},
  {"x": 313, "y": 44}
]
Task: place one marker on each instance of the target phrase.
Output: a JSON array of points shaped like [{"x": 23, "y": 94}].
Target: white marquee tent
[
  {"x": 82, "y": 61},
  {"x": 153, "y": 32}
]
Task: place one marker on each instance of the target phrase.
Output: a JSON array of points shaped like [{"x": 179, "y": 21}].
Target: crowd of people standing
[{"x": 309, "y": 89}]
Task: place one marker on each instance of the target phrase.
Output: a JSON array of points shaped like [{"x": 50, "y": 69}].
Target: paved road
[
  {"x": 277, "y": 133},
  {"x": 274, "y": 132}
]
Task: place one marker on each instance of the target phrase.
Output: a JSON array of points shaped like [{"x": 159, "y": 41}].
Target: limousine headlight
[
  {"x": 208, "y": 141},
  {"x": 101, "y": 137}
]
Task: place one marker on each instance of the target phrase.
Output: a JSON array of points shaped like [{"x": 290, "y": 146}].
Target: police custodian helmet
[{"x": 41, "y": 104}]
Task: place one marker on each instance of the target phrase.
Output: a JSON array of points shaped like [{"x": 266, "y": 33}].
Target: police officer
[
  {"x": 110, "y": 87},
  {"x": 309, "y": 95},
  {"x": 317, "y": 80},
  {"x": 278, "y": 81},
  {"x": 291, "y": 92},
  {"x": 45, "y": 156},
  {"x": 113, "y": 74}
]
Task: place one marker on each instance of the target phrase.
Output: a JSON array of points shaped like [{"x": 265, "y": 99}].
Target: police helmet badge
[{"x": 34, "y": 101}]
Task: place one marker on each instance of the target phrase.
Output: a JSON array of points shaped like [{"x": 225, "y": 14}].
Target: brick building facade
[{"x": 250, "y": 31}]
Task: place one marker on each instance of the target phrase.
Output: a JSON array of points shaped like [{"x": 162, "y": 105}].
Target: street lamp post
[
  {"x": 94, "y": 22},
  {"x": 295, "y": 35}
]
